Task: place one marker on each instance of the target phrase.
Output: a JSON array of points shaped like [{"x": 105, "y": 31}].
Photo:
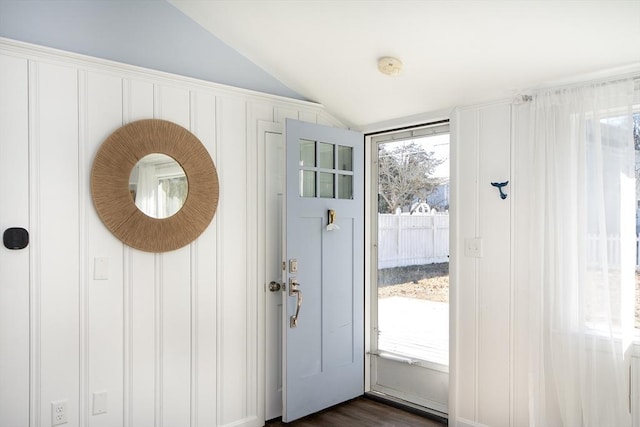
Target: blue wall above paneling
[{"x": 148, "y": 33}]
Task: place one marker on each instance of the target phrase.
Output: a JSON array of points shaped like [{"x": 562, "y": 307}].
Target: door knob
[{"x": 274, "y": 286}]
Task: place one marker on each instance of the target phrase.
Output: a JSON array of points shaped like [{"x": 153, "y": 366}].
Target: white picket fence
[{"x": 417, "y": 239}]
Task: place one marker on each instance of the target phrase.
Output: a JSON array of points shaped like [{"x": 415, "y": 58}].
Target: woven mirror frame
[{"x": 113, "y": 164}]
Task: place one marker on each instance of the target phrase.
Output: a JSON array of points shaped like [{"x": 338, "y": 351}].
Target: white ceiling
[{"x": 454, "y": 52}]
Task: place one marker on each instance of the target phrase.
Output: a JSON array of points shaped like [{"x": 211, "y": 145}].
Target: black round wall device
[{"x": 15, "y": 238}]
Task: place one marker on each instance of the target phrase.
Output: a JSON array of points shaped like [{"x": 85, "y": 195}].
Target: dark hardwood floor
[{"x": 361, "y": 412}]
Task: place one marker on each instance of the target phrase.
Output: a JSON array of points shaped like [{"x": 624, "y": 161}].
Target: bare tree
[{"x": 405, "y": 173}]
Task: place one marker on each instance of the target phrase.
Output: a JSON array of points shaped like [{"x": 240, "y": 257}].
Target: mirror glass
[{"x": 158, "y": 185}]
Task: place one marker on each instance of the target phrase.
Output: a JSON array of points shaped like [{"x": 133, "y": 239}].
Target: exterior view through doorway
[{"x": 409, "y": 304}]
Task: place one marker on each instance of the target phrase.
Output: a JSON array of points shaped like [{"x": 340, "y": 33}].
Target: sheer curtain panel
[{"x": 579, "y": 183}]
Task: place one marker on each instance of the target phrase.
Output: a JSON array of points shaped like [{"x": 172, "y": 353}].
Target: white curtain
[
  {"x": 579, "y": 177},
  {"x": 147, "y": 189}
]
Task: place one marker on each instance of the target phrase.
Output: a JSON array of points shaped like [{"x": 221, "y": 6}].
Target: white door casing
[
  {"x": 270, "y": 135},
  {"x": 323, "y": 355}
]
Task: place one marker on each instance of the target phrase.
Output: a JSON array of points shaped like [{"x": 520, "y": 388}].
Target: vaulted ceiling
[{"x": 454, "y": 52}]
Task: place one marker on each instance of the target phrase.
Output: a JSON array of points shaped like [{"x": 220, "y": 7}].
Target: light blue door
[{"x": 324, "y": 321}]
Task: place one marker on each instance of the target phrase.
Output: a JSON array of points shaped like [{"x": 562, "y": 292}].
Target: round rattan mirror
[{"x": 112, "y": 197}]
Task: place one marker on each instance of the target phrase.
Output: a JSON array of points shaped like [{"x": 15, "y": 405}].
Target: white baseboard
[{"x": 461, "y": 422}]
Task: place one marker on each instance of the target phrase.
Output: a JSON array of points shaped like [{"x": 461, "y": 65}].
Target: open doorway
[{"x": 409, "y": 337}]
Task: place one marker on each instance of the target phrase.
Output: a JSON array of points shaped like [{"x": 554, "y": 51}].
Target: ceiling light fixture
[{"x": 389, "y": 65}]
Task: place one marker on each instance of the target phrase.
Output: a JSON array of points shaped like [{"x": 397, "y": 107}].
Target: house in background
[{"x": 128, "y": 338}]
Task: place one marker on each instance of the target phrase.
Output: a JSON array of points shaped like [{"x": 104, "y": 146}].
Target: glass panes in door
[{"x": 326, "y": 170}]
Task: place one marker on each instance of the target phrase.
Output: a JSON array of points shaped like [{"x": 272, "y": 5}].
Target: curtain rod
[{"x": 527, "y": 97}]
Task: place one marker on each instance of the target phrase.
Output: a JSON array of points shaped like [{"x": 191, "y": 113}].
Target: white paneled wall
[
  {"x": 482, "y": 373},
  {"x": 172, "y": 338},
  {"x": 14, "y": 265},
  {"x": 489, "y": 303}
]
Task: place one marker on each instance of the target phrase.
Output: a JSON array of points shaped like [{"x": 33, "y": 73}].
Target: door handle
[{"x": 294, "y": 290}]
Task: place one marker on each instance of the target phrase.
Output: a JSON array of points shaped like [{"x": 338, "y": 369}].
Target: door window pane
[
  {"x": 325, "y": 152},
  {"x": 326, "y": 184},
  {"x": 307, "y": 183},
  {"x": 345, "y": 187},
  {"x": 345, "y": 158},
  {"x": 307, "y": 153}
]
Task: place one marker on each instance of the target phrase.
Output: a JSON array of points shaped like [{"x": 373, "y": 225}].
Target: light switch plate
[
  {"x": 473, "y": 247},
  {"x": 101, "y": 268},
  {"x": 100, "y": 402}
]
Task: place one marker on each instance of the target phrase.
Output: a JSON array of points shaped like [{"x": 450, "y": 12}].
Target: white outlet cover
[{"x": 58, "y": 412}]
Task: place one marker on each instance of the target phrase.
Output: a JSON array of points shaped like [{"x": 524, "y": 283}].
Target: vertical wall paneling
[
  {"x": 173, "y": 339},
  {"x": 513, "y": 183},
  {"x": 520, "y": 319},
  {"x": 101, "y": 114},
  {"x": 143, "y": 358},
  {"x": 494, "y": 274},
  {"x": 127, "y": 338},
  {"x": 484, "y": 309},
  {"x": 308, "y": 116},
  {"x": 233, "y": 327},
  {"x": 140, "y": 294},
  {"x": 466, "y": 284},
  {"x": 219, "y": 219},
  {"x": 253, "y": 384},
  {"x": 174, "y": 104},
  {"x": 83, "y": 318},
  {"x": 58, "y": 241},
  {"x": 158, "y": 389},
  {"x": 282, "y": 113},
  {"x": 203, "y": 298},
  {"x": 137, "y": 100},
  {"x": 14, "y": 264},
  {"x": 35, "y": 300}
]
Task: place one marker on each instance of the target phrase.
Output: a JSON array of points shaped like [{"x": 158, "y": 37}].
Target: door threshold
[{"x": 408, "y": 406}]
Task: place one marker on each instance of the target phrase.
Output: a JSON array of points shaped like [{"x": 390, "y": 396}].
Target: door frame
[
  {"x": 264, "y": 127},
  {"x": 371, "y": 245},
  {"x": 369, "y": 250}
]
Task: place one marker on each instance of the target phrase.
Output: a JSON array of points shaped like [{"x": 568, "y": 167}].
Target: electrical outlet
[{"x": 58, "y": 412}]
